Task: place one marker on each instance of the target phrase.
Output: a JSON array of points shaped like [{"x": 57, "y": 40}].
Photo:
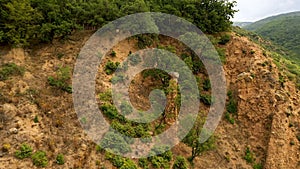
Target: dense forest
[{"x": 25, "y": 22}]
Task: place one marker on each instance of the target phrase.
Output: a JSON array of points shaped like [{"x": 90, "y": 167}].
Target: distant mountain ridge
[
  {"x": 283, "y": 30},
  {"x": 241, "y": 24}
]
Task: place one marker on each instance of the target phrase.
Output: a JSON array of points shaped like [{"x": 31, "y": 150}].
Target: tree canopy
[{"x": 23, "y": 22}]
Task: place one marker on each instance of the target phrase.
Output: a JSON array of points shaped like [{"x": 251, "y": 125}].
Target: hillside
[
  {"x": 263, "y": 131},
  {"x": 48, "y": 103},
  {"x": 283, "y": 30}
]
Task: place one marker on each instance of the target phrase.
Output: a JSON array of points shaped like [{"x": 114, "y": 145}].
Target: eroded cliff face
[
  {"x": 268, "y": 111},
  {"x": 267, "y": 121}
]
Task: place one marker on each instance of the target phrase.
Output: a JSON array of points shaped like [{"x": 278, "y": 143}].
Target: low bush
[
  {"x": 146, "y": 40},
  {"x": 24, "y": 152},
  {"x": 257, "y": 166},
  {"x": 143, "y": 163},
  {"x": 120, "y": 162},
  {"x": 232, "y": 105},
  {"x": 229, "y": 117},
  {"x": 60, "y": 159},
  {"x": 110, "y": 111},
  {"x": 222, "y": 54},
  {"x": 249, "y": 157},
  {"x": 105, "y": 96},
  {"x": 61, "y": 81},
  {"x": 159, "y": 162},
  {"x": 111, "y": 67},
  {"x": 206, "y": 99},
  {"x": 206, "y": 85},
  {"x": 113, "y": 53},
  {"x": 10, "y": 69},
  {"x": 115, "y": 142},
  {"x": 224, "y": 39},
  {"x": 180, "y": 163},
  {"x": 160, "y": 157},
  {"x": 40, "y": 159}
]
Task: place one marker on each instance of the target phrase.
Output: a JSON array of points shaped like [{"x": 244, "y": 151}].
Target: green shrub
[
  {"x": 232, "y": 105},
  {"x": 222, "y": 54},
  {"x": 117, "y": 161},
  {"x": 169, "y": 48},
  {"x": 40, "y": 159},
  {"x": 113, "y": 53},
  {"x": 249, "y": 157},
  {"x": 126, "y": 128},
  {"x": 128, "y": 164},
  {"x": 229, "y": 117},
  {"x": 105, "y": 96},
  {"x": 159, "y": 162},
  {"x": 189, "y": 62},
  {"x": 110, "y": 111},
  {"x": 143, "y": 163},
  {"x": 206, "y": 85},
  {"x": 99, "y": 148},
  {"x": 61, "y": 80},
  {"x": 145, "y": 40},
  {"x": 224, "y": 39},
  {"x": 160, "y": 156},
  {"x": 120, "y": 162},
  {"x": 257, "y": 166},
  {"x": 115, "y": 142},
  {"x": 24, "y": 152},
  {"x": 192, "y": 138},
  {"x": 10, "y": 69},
  {"x": 36, "y": 119},
  {"x": 206, "y": 99},
  {"x": 180, "y": 163},
  {"x": 60, "y": 159},
  {"x": 111, "y": 67}
]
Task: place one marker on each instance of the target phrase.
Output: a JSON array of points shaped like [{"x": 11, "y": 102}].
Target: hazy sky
[{"x": 253, "y": 10}]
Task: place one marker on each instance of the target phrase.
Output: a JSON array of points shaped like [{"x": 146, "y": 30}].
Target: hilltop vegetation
[
  {"x": 24, "y": 22},
  {"x": 282, "y": 30}
]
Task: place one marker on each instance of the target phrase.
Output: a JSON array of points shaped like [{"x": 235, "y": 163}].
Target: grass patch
[
  {"x": 61, "y": 80},
  {"x": 10, "y": 69}
]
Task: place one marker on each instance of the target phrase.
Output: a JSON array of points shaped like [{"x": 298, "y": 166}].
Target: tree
[
  {"x": 27, "y": 21},
  {"x": 21, "y": 21},
  {"x": 193, "y": 139},
  {"x": 135, "y": 7}
]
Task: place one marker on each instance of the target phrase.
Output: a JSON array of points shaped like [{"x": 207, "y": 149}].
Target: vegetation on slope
[
  {"x": 284, "y": 59},
  {"x": 282, "y": 30},
  {"x": 26, "y": 21}
]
